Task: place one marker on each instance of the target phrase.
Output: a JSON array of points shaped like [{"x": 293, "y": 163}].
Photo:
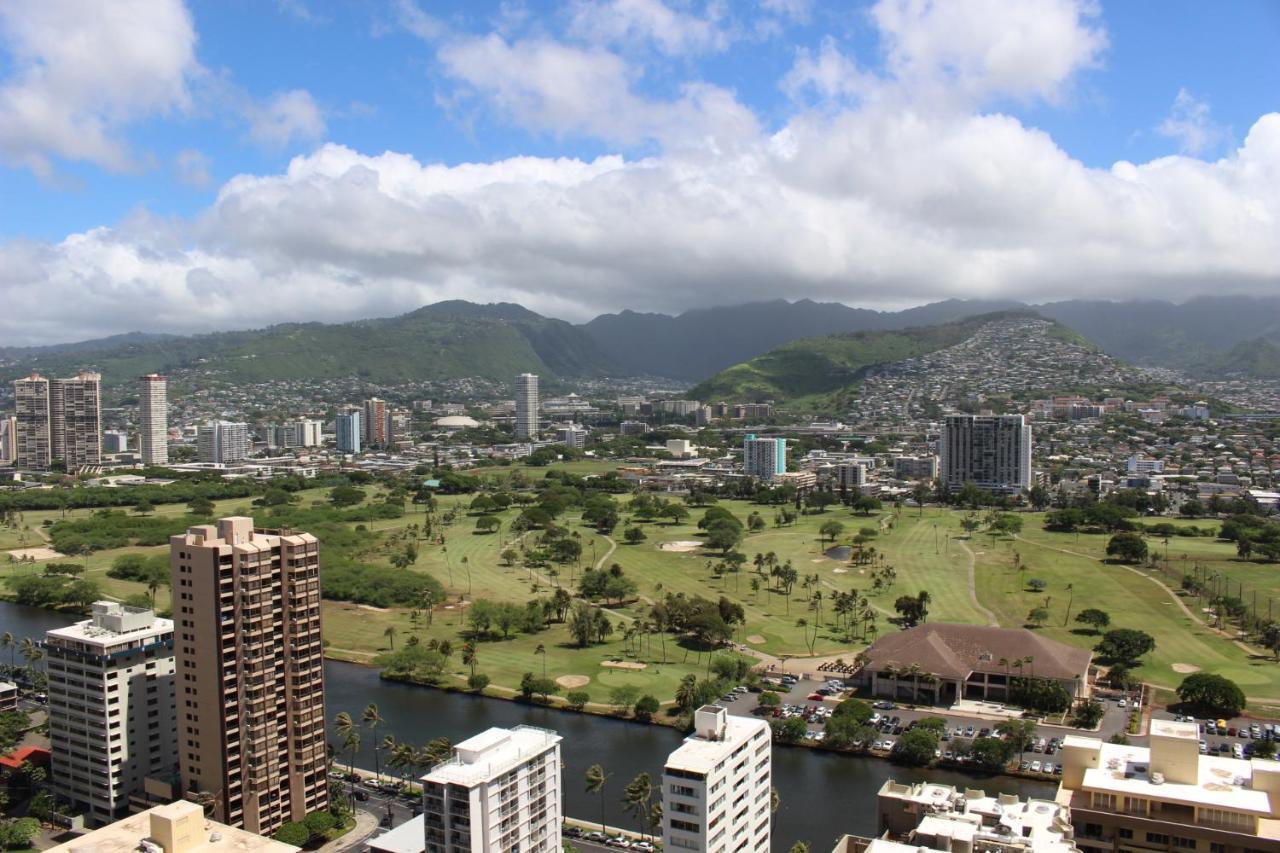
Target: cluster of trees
[
  {"x": 1039, "y": 694},
  {"x": 724, "y": 530},
  {"x": 1207, "y": 693},
  {"x": 912, "y": 609},
  {"x": 1127, "y": 547},
  {"x": 589, "y": 625},
  {"x": 348, "y": 580},
  {"x": 113, "y": 528},
  {"x": 610, "y": 584},
  {"x": 184, "y": 490},
  {"x": 647, "y": 507},
  {"x": 1255, "y": 537},
  {"x": 505, "y": 618},
  {"x": 53, "y": 589},
  {"x": 1103, "y": 516}
]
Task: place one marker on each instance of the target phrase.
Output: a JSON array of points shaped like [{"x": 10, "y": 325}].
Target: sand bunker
[
  {"x": 755, "y": 639},
  {"x": 371, "y": 607},
  {"x": 37, "y": 554},
  {"x": 624, "y": 664},
  {"x": 1185, "y": 668},
  {"x": 572, "y": 681},
  {"x": 839, "y": 571},
  {"x": 682, "y": 546}
]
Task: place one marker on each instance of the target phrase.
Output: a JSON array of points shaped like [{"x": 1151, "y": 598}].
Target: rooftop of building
[
  {"x": 707, "y": 747},
  {"x": 128, "y": 835},
  {"x": 111, "y": 622},
  {"x": 1221, "y": 782},
  {"x": 987, "y": 821},
  {"x": 952, "y": 650},
  {"x": 492, "y": 753}
]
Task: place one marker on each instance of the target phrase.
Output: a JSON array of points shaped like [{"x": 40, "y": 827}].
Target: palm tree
[
  {"x": 469, "y": 657},
  {"x": 800, "y": 847},
  {"x": 596, "y": 779},
  {"x": 390, "y": 634},
  {"x": 373, "y": 719},
  {"x": 542, "y": 650},
  {"x": 687, "y": 692},
  {"x": 437, "y": 751},
  {"x": 636, "y": 797},
  {"x": 7, "y": 641}
]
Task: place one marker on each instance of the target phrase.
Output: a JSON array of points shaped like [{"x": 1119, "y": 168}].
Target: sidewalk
[{"x": 366, "y": 826}]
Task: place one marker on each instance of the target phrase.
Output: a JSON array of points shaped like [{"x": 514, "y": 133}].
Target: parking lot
[
  {"x": 802, "y": 699},
  {"x": 1239, "y": 737}
]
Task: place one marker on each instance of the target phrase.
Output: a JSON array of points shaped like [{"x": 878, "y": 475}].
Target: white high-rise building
[
  {"x": 716, "y": 786},
  {"x": 111, "y": 708},
  {"x": 153, "y": 420},
  {"x": 223, "y": 442},
  {"x": 526, "y": 405},
  {"x": 572, "y": 436},
  {"x": 500, "y": 791},
  {"x": 8, "y": 440},
  {"x": 302, "y": 433},
  {"x": 991, "y": 451}
]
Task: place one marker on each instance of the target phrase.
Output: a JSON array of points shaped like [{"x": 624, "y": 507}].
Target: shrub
[
  {"x": 478, "y": 682},
  {"x": 294, "y": 833}
]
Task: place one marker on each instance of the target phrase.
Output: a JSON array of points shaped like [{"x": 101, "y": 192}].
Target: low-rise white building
[
  {"x": 111, "y": 708},
  {"x": 500, "y": 791},
  {"x": 716, "y": 786}
]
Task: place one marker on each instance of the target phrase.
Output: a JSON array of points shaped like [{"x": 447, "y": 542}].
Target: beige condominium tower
[
  {"x": 75, "y": 419},
  {"x": 31, "y": 447},
  {"x": 250, "y": 682},
  {"x": 153, "y": 419}
]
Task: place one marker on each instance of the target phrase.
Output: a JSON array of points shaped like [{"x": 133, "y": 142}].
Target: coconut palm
[
  {"x": 596, "y": 778},
  {"x": 469, "y": 657},
  {"x": 373, "y": 719},
  {"x": 542, "y": 650},
  {"x": 7, "y": 641},
  {"x": 390, "y": 634},
  {"x": 636, "y": 797}
]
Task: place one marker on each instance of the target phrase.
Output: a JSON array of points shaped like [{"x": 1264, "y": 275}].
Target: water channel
[{"x": 823, "y": 794}]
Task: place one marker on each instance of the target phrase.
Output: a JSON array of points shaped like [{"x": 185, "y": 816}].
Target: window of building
[{"x": 1157, "y": 838}]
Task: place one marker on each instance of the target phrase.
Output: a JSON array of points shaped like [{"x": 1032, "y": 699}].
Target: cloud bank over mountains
[{"x": 886, "y": 183}]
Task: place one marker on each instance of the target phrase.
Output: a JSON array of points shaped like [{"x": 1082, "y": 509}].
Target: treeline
[
  {"x": 343, "y": 579},
  {"x": 113, "y": 528},
  {"x": 54, "y": 588}
]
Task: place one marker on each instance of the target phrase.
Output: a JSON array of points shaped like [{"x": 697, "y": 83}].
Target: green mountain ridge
[
  {"x": 811, "y": 367},
  {"x": 443, "y": 341}
]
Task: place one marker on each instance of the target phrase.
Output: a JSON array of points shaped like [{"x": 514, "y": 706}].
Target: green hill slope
[
  {"x": 444, "y": 341},
  {"x": 813, "y": 367}
]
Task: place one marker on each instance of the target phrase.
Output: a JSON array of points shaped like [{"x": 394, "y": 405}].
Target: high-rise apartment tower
[
  {"x": 526, "y": 405},
  {"x": 153, "y": 419},
  {"x": 75, "y": 420},
  {"x": 716, "y": 786},
  {"x": 250, "y": 677},
  {"x": 33, "y": 449},
  {"x": 991, "y": 451},
  {"x": 111, "y": 708}
]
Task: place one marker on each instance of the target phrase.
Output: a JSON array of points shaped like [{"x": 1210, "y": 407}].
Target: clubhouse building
[{"x": 942, "y": 662}]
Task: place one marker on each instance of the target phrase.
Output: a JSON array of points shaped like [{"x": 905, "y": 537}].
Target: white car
[
  {"x": 1122, "y": 703},
  {"x": 1035, "y": 767}
]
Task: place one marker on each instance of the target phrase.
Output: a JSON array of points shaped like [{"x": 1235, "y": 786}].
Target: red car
[{"x": 815, "y": 696}]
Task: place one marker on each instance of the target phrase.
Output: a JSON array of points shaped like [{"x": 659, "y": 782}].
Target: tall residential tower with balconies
[{"x": 250, "y": 677}]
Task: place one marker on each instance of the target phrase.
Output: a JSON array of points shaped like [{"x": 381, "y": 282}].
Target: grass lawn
[{"x": 928, "y": 551}]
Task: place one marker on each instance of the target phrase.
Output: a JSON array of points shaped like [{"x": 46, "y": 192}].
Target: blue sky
[{"x": 116, "y": 164}]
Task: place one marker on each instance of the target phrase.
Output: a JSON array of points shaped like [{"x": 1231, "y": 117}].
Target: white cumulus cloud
[{"x": 78, "y": 73}]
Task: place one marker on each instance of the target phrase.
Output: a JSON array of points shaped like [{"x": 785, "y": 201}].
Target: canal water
[{"x": 824, "y": 795}]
